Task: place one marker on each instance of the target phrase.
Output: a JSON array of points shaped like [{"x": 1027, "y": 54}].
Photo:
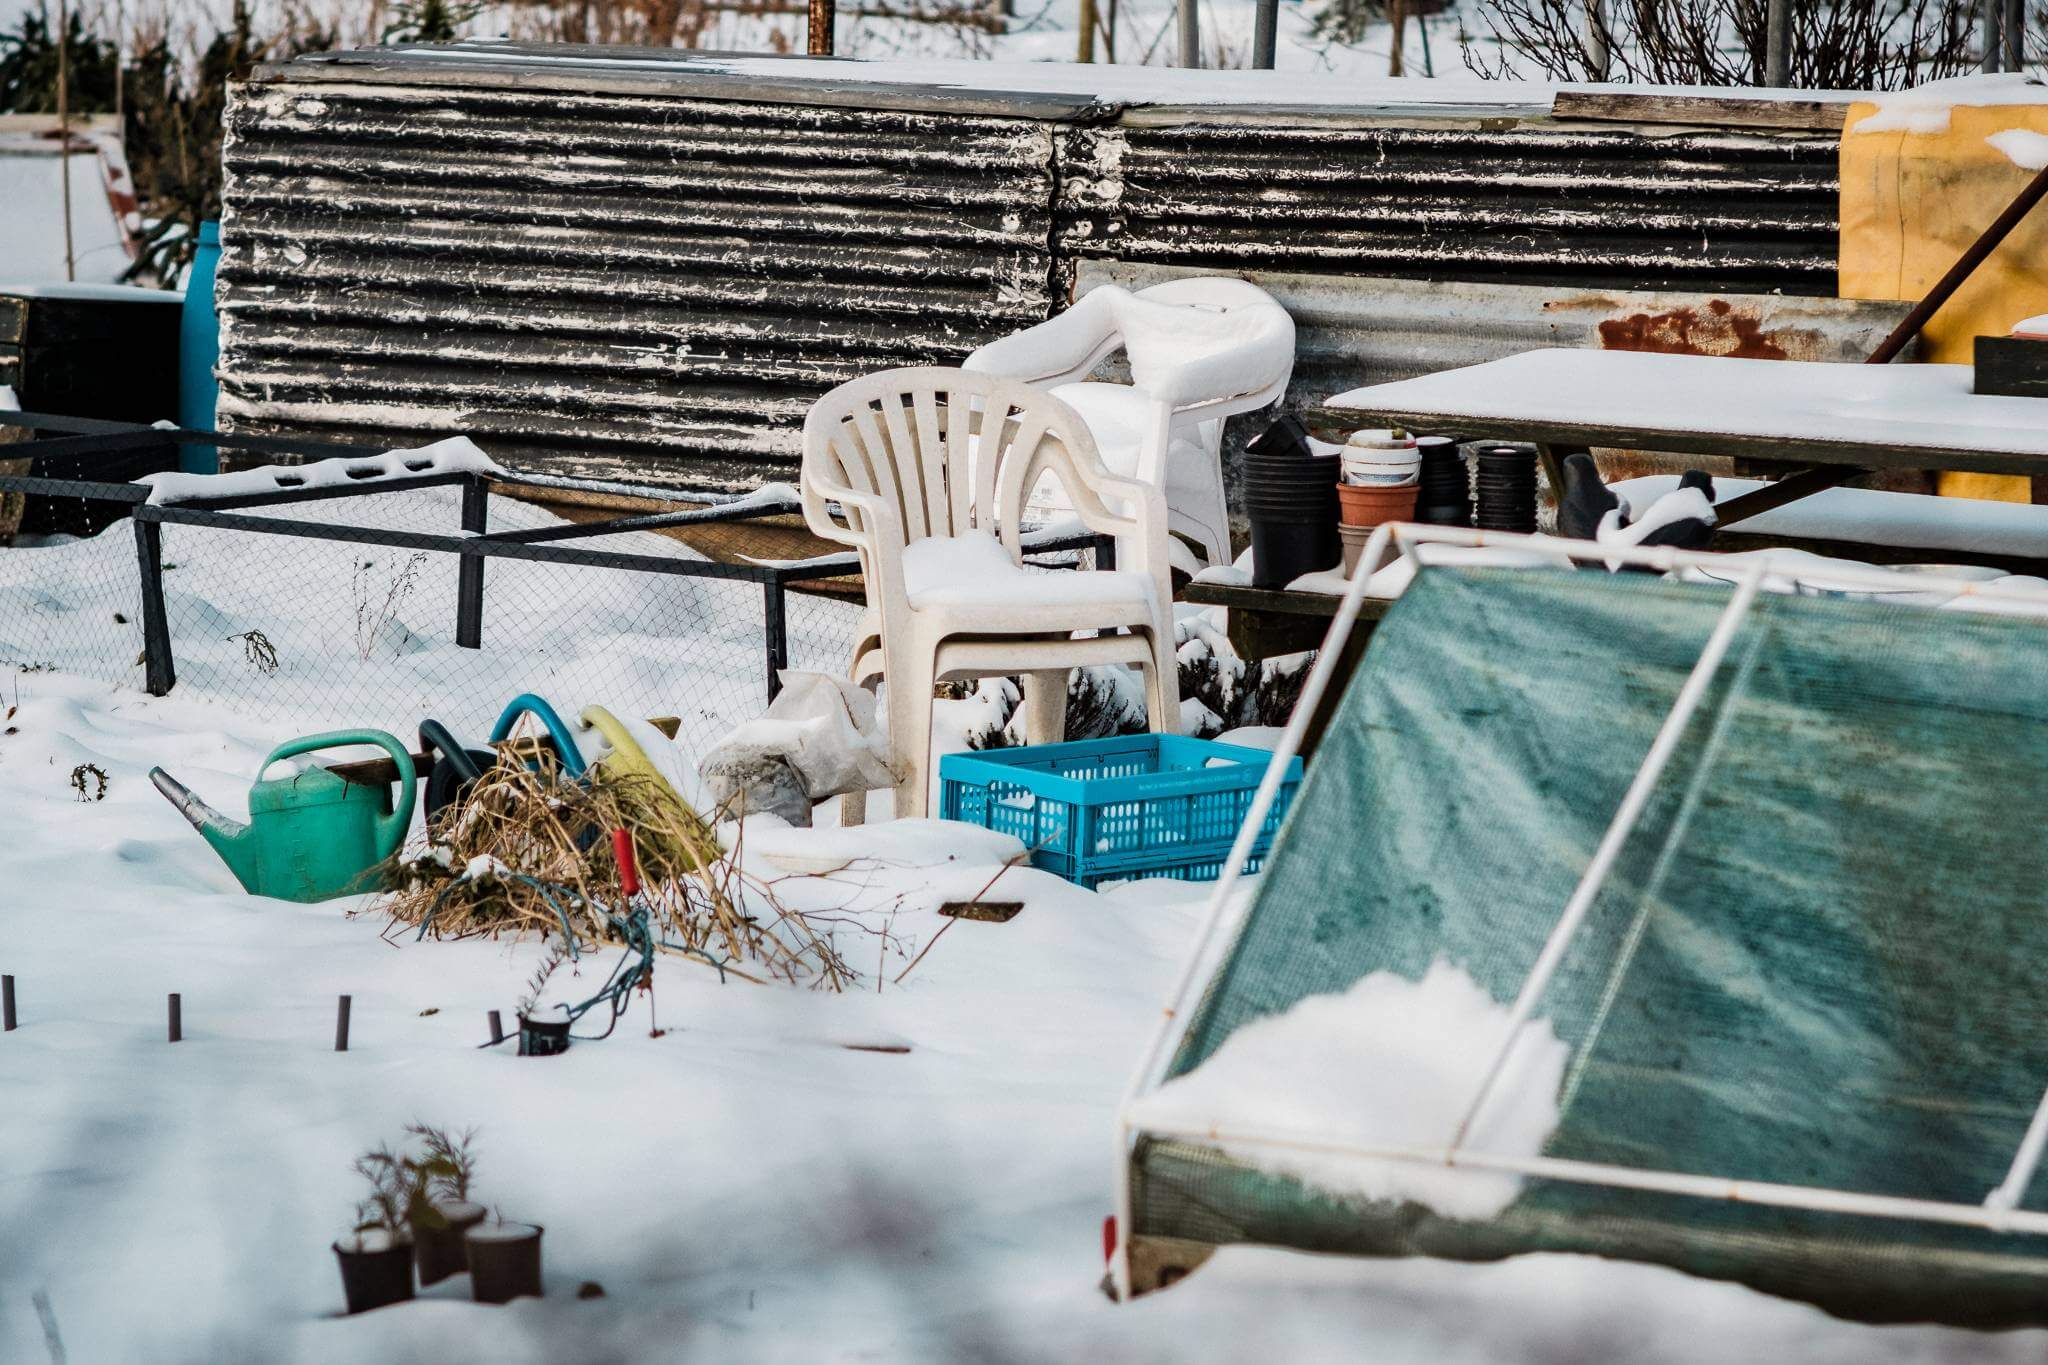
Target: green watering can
[{"x": 311, "y": 836}]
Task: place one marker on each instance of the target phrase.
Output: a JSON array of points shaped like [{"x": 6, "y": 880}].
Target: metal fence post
[
  {"x": 2015, "y": 35},
  {"x": 160, "y": 672},
  {"x": 1265, "y": 31},
  {"x": 1598, "y": 55},
  {"x": 1191, "y": 34},
  {"x": 822, "y": 18},
  {"x": 1994, "y": 13},
  {"x": 774, "y": 612},
  {"x": 1778, "y": 44},
  {"x": 469, "y": 575}
]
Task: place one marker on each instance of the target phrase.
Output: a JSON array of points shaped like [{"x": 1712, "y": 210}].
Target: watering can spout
[{"x": 229, "y": 838}]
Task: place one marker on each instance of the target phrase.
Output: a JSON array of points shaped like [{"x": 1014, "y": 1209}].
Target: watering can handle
[
  {"x": 390, "y": 828},
  {"x": 527, "y": 704}
]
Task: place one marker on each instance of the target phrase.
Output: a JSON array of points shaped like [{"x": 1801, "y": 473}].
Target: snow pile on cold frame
[{"x": 1389, "y": 1063}]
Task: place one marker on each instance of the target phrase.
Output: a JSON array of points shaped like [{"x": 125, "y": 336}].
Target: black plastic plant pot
[
  {"x": 438, "y": 1243},
  {"x": 504, "y": 1261},
  {"x": 1284, "y": 551},
  {"x": 543, "y": 1037},
  {"x": 1322, "y": 507},
  {"x": 375, "y": 1276},
  {"x": 1445, "y": 514}
]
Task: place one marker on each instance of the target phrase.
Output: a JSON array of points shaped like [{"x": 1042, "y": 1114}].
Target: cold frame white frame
[{"x": 1998, "y": 1212}]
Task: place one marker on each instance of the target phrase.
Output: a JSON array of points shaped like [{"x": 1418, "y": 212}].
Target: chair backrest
[
  {"x": 1167, "y": 331},
  {"x": 1225, "y": 339},
  {"x": 910, "y": 453}
]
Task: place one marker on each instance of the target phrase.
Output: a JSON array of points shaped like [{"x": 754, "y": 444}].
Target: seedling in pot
[
  {"x": 376, "y": 1260},
  {"x": 441, "y": 1211},
  {"x": 543, "y": 1029},
  {"x": 504, "y": 1261}
]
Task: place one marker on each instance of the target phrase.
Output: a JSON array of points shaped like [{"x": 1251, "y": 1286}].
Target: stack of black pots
[
  {"x": 1445, "y": 495},
  {"x": 1506, "y": 483},
  {"x": 1290, "y": 498}
]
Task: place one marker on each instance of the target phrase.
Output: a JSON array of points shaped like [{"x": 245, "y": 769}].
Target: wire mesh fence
[
  {"x": 347, "y": 611},
  {"x": 383, "y": 603}
]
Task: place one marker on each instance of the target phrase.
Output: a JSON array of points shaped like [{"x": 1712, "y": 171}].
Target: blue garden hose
[{"x": 527, "y": 704}]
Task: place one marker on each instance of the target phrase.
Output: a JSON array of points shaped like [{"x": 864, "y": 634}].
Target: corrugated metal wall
[
  {"x": 614, "y": 284},
  {"x": 649, "y": 270},
  {"x": 1489, "y": 200}
]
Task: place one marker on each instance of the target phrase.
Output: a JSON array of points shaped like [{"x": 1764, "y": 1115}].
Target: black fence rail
[{"x": 380, "y": 600}]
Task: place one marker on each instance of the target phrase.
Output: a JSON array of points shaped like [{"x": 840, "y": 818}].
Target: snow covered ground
[{"x": 750, "y": 1185}]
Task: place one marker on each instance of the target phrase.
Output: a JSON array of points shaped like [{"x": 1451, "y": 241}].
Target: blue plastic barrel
[{"x": 198, "y": 348}]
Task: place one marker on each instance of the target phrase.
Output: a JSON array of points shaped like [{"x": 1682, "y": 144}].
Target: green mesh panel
[{"x": 1819, "y": 960}]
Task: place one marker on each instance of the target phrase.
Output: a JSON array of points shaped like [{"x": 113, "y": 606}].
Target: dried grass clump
[{"x": 467, "y": 877}]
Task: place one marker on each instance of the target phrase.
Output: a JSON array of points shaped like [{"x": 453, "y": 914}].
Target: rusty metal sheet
[{"x": 1350, "y": 332}]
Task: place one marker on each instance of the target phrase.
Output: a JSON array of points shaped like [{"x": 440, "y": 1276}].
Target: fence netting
[
  {"x": 318, "y": 634},
  {"x": 1816, "y": 963}
]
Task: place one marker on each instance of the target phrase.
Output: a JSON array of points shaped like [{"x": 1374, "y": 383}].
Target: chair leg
[
  {"x": 1045, "y": 706},
  {"x": 1162, "y": 688},
  {"x": 910, "y": 733},
  {"x": 853, "y": 806}
]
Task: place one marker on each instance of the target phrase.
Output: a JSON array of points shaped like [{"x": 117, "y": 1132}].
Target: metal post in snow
[
  {"x": 1994, "y": 13},
  {"x": 1778, "y": 44},
  {"x": 159, "y": 671},
  {"x": 1265, "y": 33},
  {"x": 1190, "y": 34},
  {"x": 341, "y": 1023},
  {"x": 497, "y": 1028},
  {"x": 6, "y": 1004},
  {"x": 177, "y": 1017},
  {"x": 775, "y": 614},
  {"x": 823, "y": 16},
  {"x": 2015, "y": 35},
  {"x": 469, "y": 572}
]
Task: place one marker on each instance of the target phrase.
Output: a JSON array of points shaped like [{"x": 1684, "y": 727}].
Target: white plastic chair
[
  {"x": 1200, "y": 350},
  {"x": 925, "y": 473}
]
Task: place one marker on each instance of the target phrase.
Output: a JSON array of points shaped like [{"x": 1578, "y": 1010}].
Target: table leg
[{"x": 1553, "y": 467}]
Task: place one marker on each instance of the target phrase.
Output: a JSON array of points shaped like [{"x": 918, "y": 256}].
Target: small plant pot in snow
[
  {"x": 437, "y": 1239},
  {"x": 504, "y": 1261},
  {"x": 376, "y": 1269},
  {"x": 544, "y": 1033}
]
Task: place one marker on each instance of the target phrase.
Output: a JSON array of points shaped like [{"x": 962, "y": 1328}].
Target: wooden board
[{"x": 1703, "y": 111}]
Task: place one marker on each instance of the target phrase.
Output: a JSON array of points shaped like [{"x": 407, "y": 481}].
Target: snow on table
[{"x": 1905, "y": 408}]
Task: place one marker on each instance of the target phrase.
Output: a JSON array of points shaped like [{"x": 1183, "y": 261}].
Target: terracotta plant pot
[
  {"x": 1368, "y": 505},
  {"x": 439, "y": 1245},
  {"x": 1353, "y": 538},
  {"x": 504, "y": 1261},
  {"x": 376, "y": 1270}
]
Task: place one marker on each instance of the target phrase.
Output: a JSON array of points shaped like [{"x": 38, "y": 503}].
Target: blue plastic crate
[{"x": 1101, "y": 810}]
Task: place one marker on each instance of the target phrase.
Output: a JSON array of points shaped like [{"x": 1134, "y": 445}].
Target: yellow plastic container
[{"x": 1912, "y": 201}]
